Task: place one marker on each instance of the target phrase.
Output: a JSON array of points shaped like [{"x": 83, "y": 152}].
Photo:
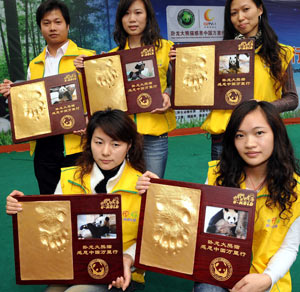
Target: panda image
[
  {"x": 96, "y": 229},
  {"x": 224, "y": 222},
  {"x": 64, "y": 94}
]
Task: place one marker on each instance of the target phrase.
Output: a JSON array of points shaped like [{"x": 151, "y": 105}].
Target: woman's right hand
[
  {"x": 12, "y": 204},
  {"x": 78, "y": 62},
  {"x": 5, "y": 87},
  {"x": 143, "y": 182},
  {"x": 172, "y": 54}
]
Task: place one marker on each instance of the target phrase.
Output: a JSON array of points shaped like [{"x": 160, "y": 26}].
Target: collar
[
  {"x": 60, "y": 51},
  {"x": 71, "y": 50},
  {"x": 97, "y": 176}
]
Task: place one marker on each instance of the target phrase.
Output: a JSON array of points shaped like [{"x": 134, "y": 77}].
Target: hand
[
  {"x": 5, "y": 87},
  {"x": 12, "y": 204},
  {"x": 166, "y": 105},
  {"x": 172, "y": 54},
  {"x": 80, "y": 132},
  {"x": 78, "y": 62},
  {"x": 143, "y": 182},
  {"x": 253, "y": 283},
  {"x": 123, "y": 282}
]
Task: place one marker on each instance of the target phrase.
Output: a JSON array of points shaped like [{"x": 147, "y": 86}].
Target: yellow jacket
[
  {"x": 216, "y": 122},
  {"x": 157, "y": 124},
  {"x": 37, "y": 69},
  {"x": 269, "y": 230}
]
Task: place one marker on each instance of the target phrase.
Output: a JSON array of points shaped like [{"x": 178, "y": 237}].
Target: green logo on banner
[{"x": 186, "y": 18}]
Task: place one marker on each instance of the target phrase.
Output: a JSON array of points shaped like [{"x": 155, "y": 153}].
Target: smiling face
[
  {"x": 54, "y": 28},
  {"x": 245, "y": 17},
  {"x": 135, "y": 19},
  {"x": 107, "y": 152},
  {"x": 254, "y": 139}
]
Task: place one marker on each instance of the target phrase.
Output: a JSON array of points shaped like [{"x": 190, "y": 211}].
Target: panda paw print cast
[
  {"x": 106, "y": 74},
  {"x": 171, "y": 231},
  {"x": 53, "y": 234},
  {"x": 195, "y": 74}
]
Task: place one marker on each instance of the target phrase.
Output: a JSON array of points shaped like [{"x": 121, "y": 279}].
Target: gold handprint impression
[
  {"x": 195, "y": 74},
  {"x": 106, "y": 74},
  {"x": 53, "y": 234},
  {"x": 34, "y": 105},
  {"x": 171, "y": 230}
]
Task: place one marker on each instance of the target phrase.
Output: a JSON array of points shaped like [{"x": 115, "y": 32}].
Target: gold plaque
[
  {"x": 46, "y": 240},
  {"x": 194, "y": 80},
  {"x": 30, "y": 108},
  {"x": 105, "y": 73},
  {"x": 170, "y": 225}
]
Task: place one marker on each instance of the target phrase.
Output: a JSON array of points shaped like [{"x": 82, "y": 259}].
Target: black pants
[{"x": 48, "y": 160}]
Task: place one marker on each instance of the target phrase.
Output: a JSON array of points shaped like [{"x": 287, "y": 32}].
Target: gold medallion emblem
[
  {"x": 233, "y": 97},
  {"x": 98, "y": 268},
  {"x": 144, "y": 100},
  {"x": 67, "y": 122},
  {"x": 220, "y": 269}
]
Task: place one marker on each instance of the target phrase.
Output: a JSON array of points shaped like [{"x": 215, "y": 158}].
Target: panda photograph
[{"x": 226, "y": 222}]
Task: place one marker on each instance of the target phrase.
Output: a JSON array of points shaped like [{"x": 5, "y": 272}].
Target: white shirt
[{"x": 52, "y": 62}]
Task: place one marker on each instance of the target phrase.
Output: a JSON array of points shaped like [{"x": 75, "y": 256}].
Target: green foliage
[
  {"x": 5, "y": 138},
  {"x": 189, "y": 124},
  {"x": 291, "y": 114}
]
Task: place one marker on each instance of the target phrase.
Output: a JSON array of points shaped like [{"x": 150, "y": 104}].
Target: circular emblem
[
  {"x": 98, "y": 268},
  {"x": 233, "y": 96},
  {"x": 144, "y": 100},
  {"x": 186, "y": 18},
  {"x": 220, "y": 269},
  {"x": 67, "y": 122}
]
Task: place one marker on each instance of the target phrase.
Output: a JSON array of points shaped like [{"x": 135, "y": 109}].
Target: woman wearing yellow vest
[
  {"x": 257, "y": 154},
  {"x": 111, "y": 162},
  {"x": 273, "y": 72},
  {"x": 136, "y": 26}
]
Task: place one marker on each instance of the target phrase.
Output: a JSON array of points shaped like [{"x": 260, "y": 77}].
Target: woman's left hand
[
  {"x": 253, "y": 283},
  {"x": 166, "y": 105},
  {"x": 123, "y": 282}
]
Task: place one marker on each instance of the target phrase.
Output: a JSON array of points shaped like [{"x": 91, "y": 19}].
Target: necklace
[{"x": 259, "y": 186}]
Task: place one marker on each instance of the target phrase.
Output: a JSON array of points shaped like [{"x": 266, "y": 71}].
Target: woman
[
  {"x": 111, "y": 162},
  {"x": 257, "y": 154},
  {"x": 136, "y": 26},
  {"x": 273, "y": 72}
]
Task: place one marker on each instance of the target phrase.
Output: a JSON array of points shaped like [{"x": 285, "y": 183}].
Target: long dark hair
[
  {"x": 120, "y": 127},
  {"x": 271, "y": 51},
  {"x": 151, "y": 34},
  {"x": 281, "y": 165}
]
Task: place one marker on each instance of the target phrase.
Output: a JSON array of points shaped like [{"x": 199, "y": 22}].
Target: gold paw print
[
  {"x": 106, "y": 75},
  {"x": 195, "y": 74},
  {"x": 33, "y": 105},
  {"x": 171, "y": 231},
  {"x": 52, "y": 232}
]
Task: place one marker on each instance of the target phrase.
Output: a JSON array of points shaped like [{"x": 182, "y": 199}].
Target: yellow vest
[
  {"x": 216, "y": 122},
  {"x": 269, "y": 230},
  {"x": 157, "y": 124},
  {"x": 72, "y": 143}
]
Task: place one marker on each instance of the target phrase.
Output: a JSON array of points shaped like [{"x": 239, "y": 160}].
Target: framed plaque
[
  {"x": 198, "y": 232},
  {"x": 213, "y": 75},
  {"x": 75, "y": 239},
  {"x": 127, "y": 80},
  {"x": 46, "y": 107}
]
